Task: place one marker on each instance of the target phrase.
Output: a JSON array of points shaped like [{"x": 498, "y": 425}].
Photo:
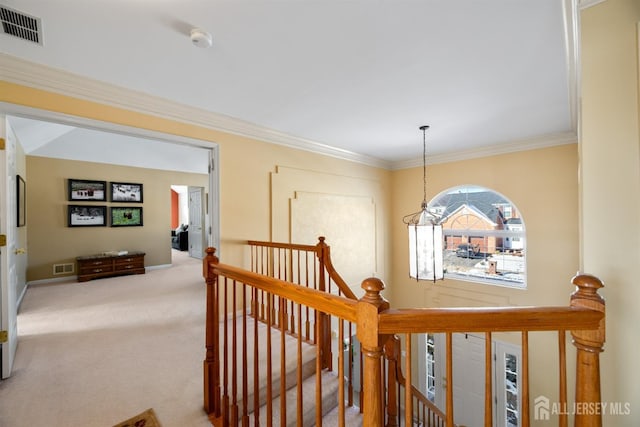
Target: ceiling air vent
[{"x": 20, "y": 25}]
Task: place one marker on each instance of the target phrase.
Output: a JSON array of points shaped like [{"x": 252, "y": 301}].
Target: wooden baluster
[
  {"x": 256, "y": 368},
  {"x": 361, "y": 364},
  {"x": 391, "y": 354},
  {"x": 269, "y": 362},
  {"x": 341, "y": 373},
  {"x": 212, "y": 337},
  {"x": 562, "y": 355},
  {"x": 234, "y": 360},
  {"x": 488, "y": 382},
  {"x": 299, "y": 370},
  {"x": 283, "y": 363},
  {"x": 306, "y": 322},
  {"x": 245, "y": 367},
  {"x": 449, "y": 402},
  {"x": 589, "y": 344},
  {"x": 225, "y": 355},
  {"x": 350, "y": 370},
  {"x": 368, "y": 308},
  {"x": 525, "y": 379},
  {"x": 319, "y": 327},
  {"x": 408, "y": 405}
]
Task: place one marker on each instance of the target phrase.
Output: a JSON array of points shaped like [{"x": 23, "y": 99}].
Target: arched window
[{"x": 484, "y": 236}]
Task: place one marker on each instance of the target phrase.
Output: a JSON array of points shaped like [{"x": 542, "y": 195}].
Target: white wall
[{"x": 610, "y": 189}]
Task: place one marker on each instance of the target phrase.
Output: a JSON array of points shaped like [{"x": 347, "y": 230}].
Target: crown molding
[
  {"x": 493, "y": 150},
  {"x": 19, "y": 71}
]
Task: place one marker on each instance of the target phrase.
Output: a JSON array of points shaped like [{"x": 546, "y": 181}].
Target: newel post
[
  {"x": 589, "y": 344},
  {"x": 369, "y": 306},
  {"x": 322, "y": 252},
  {"x": 212, "y": 359}
]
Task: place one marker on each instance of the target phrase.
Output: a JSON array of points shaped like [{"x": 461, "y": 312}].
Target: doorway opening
[
  {"x": 52, "y": 128},
  {"x": 189, "y": 220}
]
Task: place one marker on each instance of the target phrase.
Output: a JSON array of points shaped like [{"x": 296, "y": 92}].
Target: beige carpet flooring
[{"x": 99, "y": 352}]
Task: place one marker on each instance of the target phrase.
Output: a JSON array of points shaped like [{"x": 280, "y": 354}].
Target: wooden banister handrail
[
  {"x": 299, "y": 247},
  {"x": 482, "y": 319},
  {"x": 322, "y": 251},
  {"x": 332, "y": 304}
]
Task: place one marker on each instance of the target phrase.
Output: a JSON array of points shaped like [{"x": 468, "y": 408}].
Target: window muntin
[{"x": 484, "y": 236}]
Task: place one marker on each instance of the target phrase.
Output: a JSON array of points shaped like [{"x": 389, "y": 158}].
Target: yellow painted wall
[
  {"x": 246, "y": 166},
  {"x": 610, "y": 189},
  {"x": 51, "y": 241},
  {"x": 543, "y": 185}
]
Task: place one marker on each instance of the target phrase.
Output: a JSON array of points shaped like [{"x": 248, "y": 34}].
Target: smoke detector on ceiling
[{"x": 201, "y": 38}]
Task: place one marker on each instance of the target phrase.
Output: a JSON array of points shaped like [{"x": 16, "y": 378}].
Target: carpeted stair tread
[{"x": 329, "y": 401}]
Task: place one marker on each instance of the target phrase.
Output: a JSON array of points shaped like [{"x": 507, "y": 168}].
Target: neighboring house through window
[{"x": 484, "y": 236}]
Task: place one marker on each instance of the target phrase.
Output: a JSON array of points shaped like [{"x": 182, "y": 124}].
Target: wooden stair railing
[
  {"x": 584, "y": 318},
  {"x": 229, "y": 397},
  {"x": 425, "y": 412},
  {"x": 305, "y": 265},
  {"x": 225, "y": 398}
]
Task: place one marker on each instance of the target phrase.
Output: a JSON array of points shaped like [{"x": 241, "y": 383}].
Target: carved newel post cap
[
  {"x": 210, "y": 251},
  {"x": 372, "y": 288},
  {"x": 587, "y": 282},
  {"x": 321, "y": 239},
  {"x": 586, "y": 296},
  {"x": 588, "y": 287}
]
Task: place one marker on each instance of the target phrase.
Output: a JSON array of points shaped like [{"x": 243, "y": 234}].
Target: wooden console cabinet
[{"x": 107, "y": 265}]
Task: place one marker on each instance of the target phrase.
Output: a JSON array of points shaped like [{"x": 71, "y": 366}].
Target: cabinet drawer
[
  {"x": 129, "y": 262},
  {"x": 96, "y": 268},
  {"x": 94, "y": 263}
]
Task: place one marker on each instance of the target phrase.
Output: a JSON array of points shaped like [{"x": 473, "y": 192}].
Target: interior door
[
  {"x": 468, "y": 379},
  {"x": 8, "y": 274},
  {"x": 196, "y": 222}
]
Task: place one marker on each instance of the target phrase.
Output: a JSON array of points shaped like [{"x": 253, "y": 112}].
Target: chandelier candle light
[{"x": 425, "y": 233}]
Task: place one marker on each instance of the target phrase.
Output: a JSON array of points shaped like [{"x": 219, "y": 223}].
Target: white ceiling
[{"x": 357, "y": 75}]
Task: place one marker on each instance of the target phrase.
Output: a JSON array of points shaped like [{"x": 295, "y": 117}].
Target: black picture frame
[
  {"x": 126, "y": 216},
  {"x": 21, "y": 201},
  {"x": 126, "y": 192},
  {"x": 86, "y": 216},
  {"x": 83, "y": 190}
]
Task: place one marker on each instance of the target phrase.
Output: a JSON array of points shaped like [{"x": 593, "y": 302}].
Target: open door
[
  {"x": 196, "y": 222},
  {"x": 8, "y": 251}
]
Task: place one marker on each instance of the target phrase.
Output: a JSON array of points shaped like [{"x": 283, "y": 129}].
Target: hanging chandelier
[{"x": 425, "y": 233}]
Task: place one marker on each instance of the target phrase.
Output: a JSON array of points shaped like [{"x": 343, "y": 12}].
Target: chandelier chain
[{"x": 424, "y": 164}]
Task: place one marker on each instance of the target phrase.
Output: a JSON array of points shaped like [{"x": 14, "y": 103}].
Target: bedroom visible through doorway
[{"x": 188, "y": 220}]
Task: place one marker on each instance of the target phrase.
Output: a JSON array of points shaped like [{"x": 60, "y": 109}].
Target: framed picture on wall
[
  {"x": 124, "y": 216},
  {"x": 86, "y": 190},
  {"x": 126, "y": 192},
  {"x": 86, "y": 216},
  {"x": 21, "y": 196}
]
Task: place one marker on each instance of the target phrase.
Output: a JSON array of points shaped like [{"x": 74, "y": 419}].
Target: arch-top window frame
[{"x": 493, "y": 230}]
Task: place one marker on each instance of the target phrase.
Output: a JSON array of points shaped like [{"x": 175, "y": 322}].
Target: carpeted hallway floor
[{"x": 99, "y": 352}]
